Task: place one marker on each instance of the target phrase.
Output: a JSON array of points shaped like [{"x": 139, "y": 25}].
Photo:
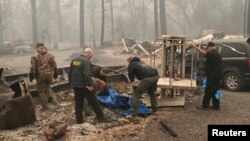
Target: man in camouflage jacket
[{"x": 43, "y": 68}]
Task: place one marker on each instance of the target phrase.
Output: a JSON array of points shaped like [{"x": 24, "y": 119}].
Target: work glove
[
  {"x": 134, "y": 85},
  {"x": 102, "y": 85},
  {"x": 55, "y": 75},
  {"x": 31, "y": 76},
  {"x": 90, "y": 88}
]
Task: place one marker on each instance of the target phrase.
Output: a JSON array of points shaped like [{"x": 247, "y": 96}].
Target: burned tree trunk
[
  {"x": 102, "y": 27},
  {"x": 82, "y": 38},
  {"x": 1, "y": 27},
  {"x": 34, "y": 22},
  {"x": 59, "y": 20},
  {"x": 156, "y": 18},
  {"x": 144, "y": 20},
  {"x": 248, "y": 19},
  {"x": 93, "y": 35},
  {"x": 120, "y": 25},
  {"x": 112, "y": 20},
  {"x": 163, "y": 17},
  {"x": 133, "y": 15}
]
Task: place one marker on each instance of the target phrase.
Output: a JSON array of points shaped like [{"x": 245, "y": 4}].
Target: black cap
[{"x": 210, "y": 44}]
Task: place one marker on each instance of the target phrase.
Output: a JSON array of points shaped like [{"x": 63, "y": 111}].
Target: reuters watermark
[{"x": 239, "y": 132}]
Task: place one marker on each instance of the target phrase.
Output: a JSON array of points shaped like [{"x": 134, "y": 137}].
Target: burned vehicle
[{"x": 15, "y": 48}]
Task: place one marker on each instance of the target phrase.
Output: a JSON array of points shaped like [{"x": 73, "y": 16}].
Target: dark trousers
[
  {"x": 148, "y": 84},
  {"x": 80, "y": 94},
  {"x": 212, "y": 86}
]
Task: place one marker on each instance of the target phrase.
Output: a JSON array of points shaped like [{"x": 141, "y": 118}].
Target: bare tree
[
  {"x": 112, "y": 20},
  {"x": 136, "y": 20},
  {"x": 248, "y": 19},
  {"x": 34, "y": 22},
  {"x": 82, "y": 38},
  {"x": 156, "y": 19},
  {"x": 163, "y": 17},
  {"x": 102, "y": 26},
  {"x": 120, "y": 25},
  {"x": 133, "y": 15},
  {"x": 1, "y": 26},
  {"x": 92, "y": 16},
  {"x": 245, "y": 17},
  {"x": 59, "y": 20},
  {"x": 181, "y": 8},
  {"x": 143, "y": 20}
]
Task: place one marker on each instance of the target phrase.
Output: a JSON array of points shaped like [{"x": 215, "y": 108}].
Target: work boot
[
  {"x": 79, "y": 122},
  {"x": 217, "y": 108},
  {"x": 98, "y": 120},
  {"x": 201, "y": 107},
  {"x": 49, "y": 99},
  {"x": 134, "y": 113},
  {"x": 101, "y": 119},
  {"x": 134, "y": 119},
  {"x": 154, "y": 110}
]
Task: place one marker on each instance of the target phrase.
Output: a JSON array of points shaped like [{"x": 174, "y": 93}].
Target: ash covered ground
[{"x": 189, "y": 123}]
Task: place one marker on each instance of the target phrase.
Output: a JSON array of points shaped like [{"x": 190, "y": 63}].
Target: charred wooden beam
[{"x": 165, "y": 126}]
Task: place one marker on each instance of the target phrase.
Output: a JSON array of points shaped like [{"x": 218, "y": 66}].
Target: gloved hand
[
  {"x": 90, "y": 88},
  {"x": 55, "y": 75},
  {"x": 31, "y": 76},
  {"x": 103, "y": 85},
  {"x": 134, "y": 85}
]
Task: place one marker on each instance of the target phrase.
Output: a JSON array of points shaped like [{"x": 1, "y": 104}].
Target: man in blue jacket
[
  {"x": 80, "y": 79},
  {"x": 148, "y": 77}
]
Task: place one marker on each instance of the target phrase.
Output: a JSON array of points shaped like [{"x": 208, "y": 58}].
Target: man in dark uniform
[
  {"x": 213, "y": 70},
  {"x": 80, "y": 79},
  {"x": 148, "y": 77}
]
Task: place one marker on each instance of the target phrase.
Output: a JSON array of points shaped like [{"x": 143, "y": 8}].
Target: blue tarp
[{"x": 112, "y": 99}]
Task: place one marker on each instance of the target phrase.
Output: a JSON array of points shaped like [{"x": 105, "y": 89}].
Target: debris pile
[
  {"x": 17, "y": 112},
  {"x": 145, "y": 48}
]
